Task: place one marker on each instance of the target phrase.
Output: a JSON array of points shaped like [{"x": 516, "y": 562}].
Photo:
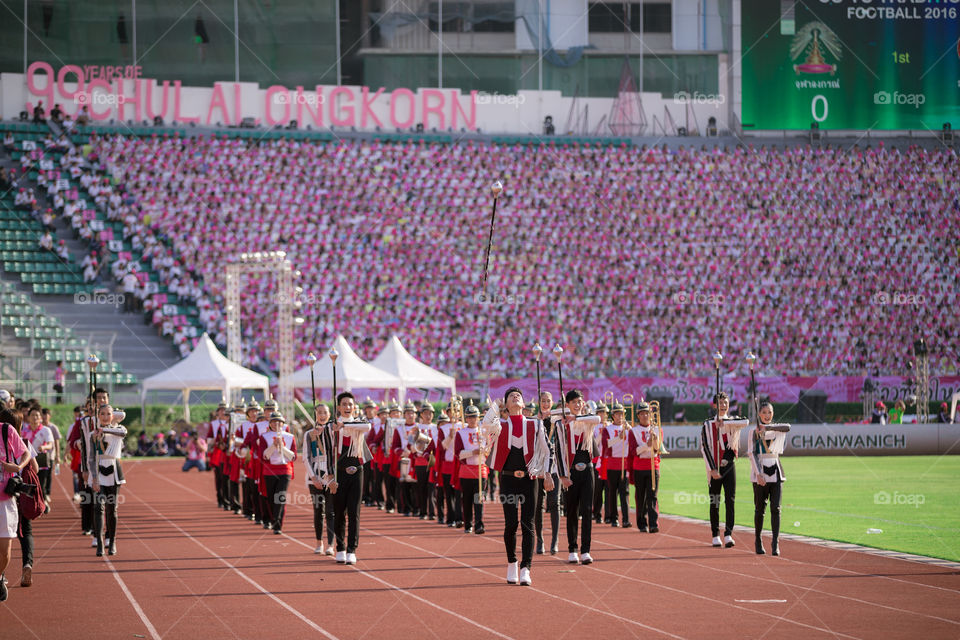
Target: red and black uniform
[
  {"x": 645, "y": 467},
  {"x": 74, "y": 440},
  {"x": 614, "y": 448},
  {"x": 512, "y": 453},
  {"x": 447, "y": 495},
  {"x": 466, "y": 474},
  {"x": 276, "y": 473}
]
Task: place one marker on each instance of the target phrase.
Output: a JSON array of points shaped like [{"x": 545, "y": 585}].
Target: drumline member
[
  {"x": 642, "y": 442},
  {"x": 601, "y": 511},
  {"x": 614, "y": 444},
  {"x": 278, "y": 449},
  {"x": 467, "y": 472},
  {"x": 347, "y": 487},
  {"x": 766, "y": 473},
  {"x": 521, "y": 454},
  {"x": 552, "y": 497},
  {"x": 402, "y": 459},
  {"x": 719, "y": 443},
  {"x": 316, "y": 444},
  {"x": 448, "y": 495},
  {"x": 577, "y": 452},
  {"x": 106, "y": 451}
]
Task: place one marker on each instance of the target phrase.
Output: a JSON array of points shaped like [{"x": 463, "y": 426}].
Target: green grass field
[{"x": 914, "y": 500}]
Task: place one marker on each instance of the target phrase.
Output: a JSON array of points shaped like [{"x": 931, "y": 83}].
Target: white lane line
[
  {"x": 123, "y": 586},
  {"x": 761, "y": 601},
  {"x": 412, "y": 595},
  {"x": 594, "y": 567},
  {"x": 546, "y": 593},
  {"x": 367, "y": 574},
  {"x": 832, "y": 545},
  {"x": 310, "y": 623},
  {"x": 779, "y": 581}
]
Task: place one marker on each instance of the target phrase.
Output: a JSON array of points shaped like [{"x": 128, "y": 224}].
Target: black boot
[
  {"x": 113, "y": 547},
  {"x": 775, "y": 527},
  {"x": 539, "y": 546},
  {"x": 99, "y": 546},
  {"x": 759, "y": 546},
  {"x": 758, "y": 528}
]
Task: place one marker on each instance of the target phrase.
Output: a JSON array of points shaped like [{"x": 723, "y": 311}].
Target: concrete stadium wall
[{"x": 838, "y": 439}]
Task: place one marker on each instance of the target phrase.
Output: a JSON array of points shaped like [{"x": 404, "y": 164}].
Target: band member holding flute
[
  {"x": 644, "y": 461},
  {"x": 719, "y": 443},
  {"x": 614, "y": 447},
  {"x": 468, "y": 471},
  {"x": 346, "y": 467},
  {"x": 521, "y": 454},
  {"x": 278, "y": 449},
  {"x": 766, "y": 473},
  {"x": 577, "y": 452}
]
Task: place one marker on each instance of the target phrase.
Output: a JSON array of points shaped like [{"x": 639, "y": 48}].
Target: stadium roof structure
[
  {"x": 353, "y": 372},
  {"x": 395, "y": 359},
  {"x": 203, "y": 370}
]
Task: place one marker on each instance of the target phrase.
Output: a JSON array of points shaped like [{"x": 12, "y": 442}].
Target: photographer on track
[{"x": 13, "y": 449}]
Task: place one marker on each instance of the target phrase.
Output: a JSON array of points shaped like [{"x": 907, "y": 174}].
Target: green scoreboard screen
[{"x": 850, "y": 64}]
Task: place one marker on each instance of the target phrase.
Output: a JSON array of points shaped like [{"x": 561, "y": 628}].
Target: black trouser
[
  {"x": 322, "y": 511},
  {"x": 221, "y": 479},
  {"x": 728, "y": 482},
  {"x": 645, "y": 499},
  {"x": 234, "y": 488},
  {"x": 249, "y": 496},
  {"x": 86, "y": 508},
  {"x": 423, "y": 489},
  {"x": 553, "y": 508},
  {"x": 263, "y": 512},
  {"x": 451, "y": 499},
  {"x": 377, "y": 491},
  {"x": 519, "y": 498},
  {"x": 617, "y": 484},
  {"x": 346, "y": 502},
  {"x": 772, "y": 492},
  {"x": 470, "y": 499},
  {"x": 389, "y": 488},
  {"x": 44, "y": 476},
  {"x": 490, "y": 486},
  {"x": 277, "y": 498},
  {"x": 579, "y": 496},
  {"x": 405, "y": 498},
  {"x": 105, "y": 509},
  {"x": 25, "y": 536},
  {"x": 600, "y": 512}
]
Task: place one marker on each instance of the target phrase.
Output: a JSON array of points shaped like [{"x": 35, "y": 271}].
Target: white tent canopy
[
  {"x": 205, "y": 369},
  {"x": 353, "y": 372},
  {"x": 413, "y": 373}
]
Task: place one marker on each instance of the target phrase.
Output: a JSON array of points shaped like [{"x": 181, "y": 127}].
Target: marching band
[{"x": 544, "y": 457}]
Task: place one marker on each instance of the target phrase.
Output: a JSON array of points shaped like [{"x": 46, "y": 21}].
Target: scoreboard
[{"x": 850, "y": 64}]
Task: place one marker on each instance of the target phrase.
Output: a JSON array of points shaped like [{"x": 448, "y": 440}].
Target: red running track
[{"x": 186, "y": 569}]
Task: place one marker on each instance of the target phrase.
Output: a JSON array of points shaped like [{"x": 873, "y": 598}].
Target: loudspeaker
[
  {"x": 812, "y": 407},
  {"x": 666, "y": 405}
]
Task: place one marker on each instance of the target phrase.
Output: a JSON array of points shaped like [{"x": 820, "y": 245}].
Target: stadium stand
[{"x": 794, "y": 250}]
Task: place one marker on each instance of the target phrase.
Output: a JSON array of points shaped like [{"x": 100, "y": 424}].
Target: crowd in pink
[{"x": 825, "y": 261}]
